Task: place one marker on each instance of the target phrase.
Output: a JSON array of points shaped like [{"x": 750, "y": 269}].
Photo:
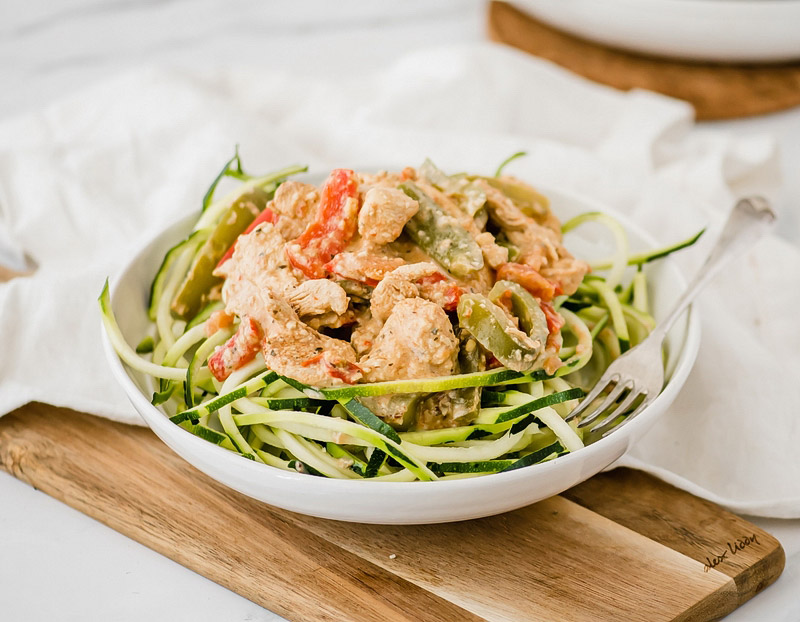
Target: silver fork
[{"x": 639, "y": 373}]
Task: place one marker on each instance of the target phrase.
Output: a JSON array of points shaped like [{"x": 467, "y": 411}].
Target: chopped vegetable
[
  {"x": 468, "y": 195},
  {"x": 336, "y": 222},
  {"x": 495, "y": 331},
  {"x": 440, "y": 235},
  {"x": 226, "y": 170},
  {"x": 528, "y": 310},
  {"x": 529, "y": 201},
  {"x": 509, "y": 160},
  {"x": 145, "y": 346},
  {"x": 199, "y": 281},
  {"x": 439, "y": 288},
  {"x": 530, "y": 279},
  {"x": 238, "y": 351}
]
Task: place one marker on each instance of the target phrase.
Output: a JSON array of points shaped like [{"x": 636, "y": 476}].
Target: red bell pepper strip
[
  {"x": 530, "y": 279},
  {"x": 237, "y": 351},
  {"x": 347, "y": 372},
  {"x": 554, "y": 322},
  {"x": 439, "y": 289},
  {"x": 335, "y": 224},
  {"x": 266, "y": 215}
]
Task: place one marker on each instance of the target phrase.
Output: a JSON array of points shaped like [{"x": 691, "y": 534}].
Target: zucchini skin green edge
[
  {"x": 288, "y": 403},
  {"x": 500, "y": 465},
  {"x": 483, "y": 466},
  {"x": 423, "y": 385},
  {"x": 210, "y": 406},
  {"x": 156, "y": 287},
  {"x": 539, "y": 403},
  {"x": 370, "y": 420},
  {"x": 536, "y": 456}
]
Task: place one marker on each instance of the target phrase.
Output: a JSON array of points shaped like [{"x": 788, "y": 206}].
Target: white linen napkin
[{"x": 86, "y": 181}]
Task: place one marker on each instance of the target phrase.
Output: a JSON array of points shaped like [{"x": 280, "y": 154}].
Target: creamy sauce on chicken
[{"x": 334, "y": 291}]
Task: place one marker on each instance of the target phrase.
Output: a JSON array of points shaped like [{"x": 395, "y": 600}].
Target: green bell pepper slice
[
  {"x": 530, "y": 202},
  {"x": 440, "y": 235},
  {"x": 495, "y": 331},
  {"x": 199, "y": 281},
  {"x": 524, "y": 306}
]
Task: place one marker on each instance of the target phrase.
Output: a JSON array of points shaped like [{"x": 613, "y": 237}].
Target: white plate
[
  {"x": 712, "y": 30},
  {"x": 401, "y": 502}
]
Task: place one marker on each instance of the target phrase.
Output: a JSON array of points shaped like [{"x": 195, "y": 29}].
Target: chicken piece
[
  {"x": 331, "y": 320},
  {"x": 567, "y": 272},
  {"x": 259, "y": 257},
  {"x": 362, "y": 265},
  {"x": 530, "y": 202},
  {"x": 540, "y": 246},
  {"x": 317, "y": 297},
  {"x": 536, "y": 250},
  {"x": 384, "y": 214},
  {"x": 503, "y": 210},
  {"x": 479, "y": 281},
  {"x": 398, "y": 285},
  {"x": 296, "y": 204},
  {"x": 417, "y": 341},
  {"x": 494, "y": 254},
  {"x": 446, "y": 409},
  {"x": 291, "y": 347},
  {"x": 381, "y": 179},
  {"x": 439, "y": 289},
  {"x": 365, "y": 332}
]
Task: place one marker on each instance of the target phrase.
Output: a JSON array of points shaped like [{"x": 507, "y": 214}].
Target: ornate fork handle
[
  {"x": 639, "y": 371},
  {"x": 748, "y": 221}
]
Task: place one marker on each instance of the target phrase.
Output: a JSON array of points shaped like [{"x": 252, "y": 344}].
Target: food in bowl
[{"x": 395, "y": 326}]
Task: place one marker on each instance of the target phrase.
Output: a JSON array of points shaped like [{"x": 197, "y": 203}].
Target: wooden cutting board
[
  {"x": 621, "y": 546},
  {"x": 715, "y": 90}
]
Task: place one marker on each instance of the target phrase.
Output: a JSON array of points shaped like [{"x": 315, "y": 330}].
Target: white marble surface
[{"x": 57, "y": 564}]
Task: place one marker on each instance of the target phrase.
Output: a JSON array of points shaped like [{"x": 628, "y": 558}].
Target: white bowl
[
  {"x": 400, "y": 502},
  {"x": 713, "y": 30}
]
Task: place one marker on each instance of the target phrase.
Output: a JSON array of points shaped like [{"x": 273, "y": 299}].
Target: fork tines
[{"x": 622, "y": 394}]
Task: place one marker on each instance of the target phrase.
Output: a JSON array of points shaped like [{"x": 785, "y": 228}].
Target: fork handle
[{"x": 750, "y": 218}]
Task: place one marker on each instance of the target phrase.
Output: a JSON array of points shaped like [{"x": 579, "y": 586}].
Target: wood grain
[
  {"x": 694, "y": 527},
  {"x": 620, "y": 547},
  {"x": 716, "y": 91},
  {"x": 124, "y": 477},
  {"x": 554, "y": 554}
]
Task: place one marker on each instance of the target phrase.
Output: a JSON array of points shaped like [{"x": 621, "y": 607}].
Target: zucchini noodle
[{"x": 617, "y": 263}]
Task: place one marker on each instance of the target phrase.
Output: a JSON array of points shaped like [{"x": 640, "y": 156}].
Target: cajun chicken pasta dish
[{"x": 392, "y": 326}]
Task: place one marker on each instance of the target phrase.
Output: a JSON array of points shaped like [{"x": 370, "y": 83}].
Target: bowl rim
[
  {"x": 648, "y": 27},
  {"x": 159, "y": 422},
  {"x": 737, "y": 6}
]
